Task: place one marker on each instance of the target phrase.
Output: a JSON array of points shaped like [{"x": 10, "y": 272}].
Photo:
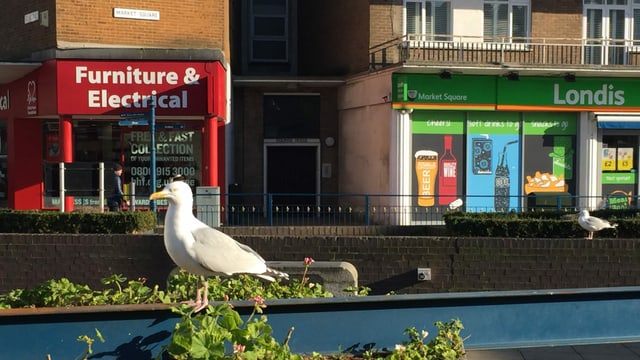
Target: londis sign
[
  {"x": 114, "y": 87},
  {"x": 584, "y": 94},
  {"x": 474, "y": 92}
]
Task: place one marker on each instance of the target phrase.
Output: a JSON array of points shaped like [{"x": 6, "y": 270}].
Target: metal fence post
[
  {"x": 61, "y": 179},
  {"x": 270, "y": 209},
  {"x": 366, "y": 211},
  {"x": 101, "y": 186},
  {"x": 132, "y": 204}
]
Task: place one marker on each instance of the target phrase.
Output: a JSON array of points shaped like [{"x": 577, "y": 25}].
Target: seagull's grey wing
[
  {"x": 597, "y": 223},
  {"x": 585, "y": 223},
  {"x": 220, "y": 253}
]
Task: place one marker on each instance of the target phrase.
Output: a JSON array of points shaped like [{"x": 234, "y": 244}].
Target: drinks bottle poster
[
  {"x": 493, "y": 161},
  {"x": 437, "y": 155}
]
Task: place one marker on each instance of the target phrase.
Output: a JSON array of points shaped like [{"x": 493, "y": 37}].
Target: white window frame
[
  {"x": 426, "y": 35},
  {"x": 511, "y": 4},
  {"x": 631, "y": 42}
]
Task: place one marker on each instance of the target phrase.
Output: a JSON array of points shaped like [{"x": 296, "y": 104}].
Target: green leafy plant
[
  {"x": 447, "y": 345},
  {"x": 89, "y": 341},
  {"x": 220, "y": 333},
  {"x": 180, "y": 287}
]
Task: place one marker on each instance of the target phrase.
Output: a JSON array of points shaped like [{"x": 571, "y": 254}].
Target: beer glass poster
[{"x": 437, "y": 157}]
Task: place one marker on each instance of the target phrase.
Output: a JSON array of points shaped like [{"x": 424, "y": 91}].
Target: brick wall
[
  {"x": 193, "y": 24},
  {"x": 25, "y": 38},
  {"x": 556, "y": 19},
  {"x": 384, "y": 263}
]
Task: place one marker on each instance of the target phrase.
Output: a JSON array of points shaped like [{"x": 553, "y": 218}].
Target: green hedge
[
  {"x": 48, "y": 222},
  {"x": 540, "y": 224}
]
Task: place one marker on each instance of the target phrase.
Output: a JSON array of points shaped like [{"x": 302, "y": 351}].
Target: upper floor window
[
  {"x": 429, "y": 18},
  {"x": 636, "y": 22},
  {"x": 506, "y": 19},
  {"x": 612, "y": 30},
  {"x": 269, "y": 30}
]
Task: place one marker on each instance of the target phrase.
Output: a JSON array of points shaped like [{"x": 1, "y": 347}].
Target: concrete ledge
[{"x": 334, "y": 276}]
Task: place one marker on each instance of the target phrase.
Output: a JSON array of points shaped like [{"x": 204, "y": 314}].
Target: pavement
[{"x": 621, "y": 351}]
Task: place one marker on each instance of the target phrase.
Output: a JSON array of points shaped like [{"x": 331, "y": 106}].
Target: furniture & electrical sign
[{"x": 109, "y": 87}]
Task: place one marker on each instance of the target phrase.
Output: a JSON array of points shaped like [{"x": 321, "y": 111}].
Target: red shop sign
[{"x": 115, "y": 87}]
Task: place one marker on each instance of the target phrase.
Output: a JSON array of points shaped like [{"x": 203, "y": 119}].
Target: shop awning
[
  {"x": 618, "y": 121},
  {"x": 10, "y": 71}
]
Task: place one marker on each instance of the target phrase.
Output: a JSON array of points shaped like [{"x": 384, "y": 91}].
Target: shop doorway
[{"x": 292, "y": 169}]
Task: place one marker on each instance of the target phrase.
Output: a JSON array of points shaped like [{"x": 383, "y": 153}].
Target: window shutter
[
  {"x": 636, "y": 26},
  {"x": 442, "y": 16},
  {"x": 414, "y": 20},
  {"x": 520, "y": 25},
  {"x": 502, "y": 14}
]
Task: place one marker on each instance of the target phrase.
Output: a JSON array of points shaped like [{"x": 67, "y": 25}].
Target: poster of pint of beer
[
  {"x": 493, "y": 162},
  {"x": 437, "y": 150},
  {"x": 549, "y": 155}
]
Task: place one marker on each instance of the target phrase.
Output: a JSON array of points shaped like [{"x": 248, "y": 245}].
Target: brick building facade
[
  {"x": 88, "y": 71},
  {"x": 77, "y": 25}
]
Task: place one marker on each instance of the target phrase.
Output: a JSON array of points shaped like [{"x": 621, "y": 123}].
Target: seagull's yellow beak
[{"x": 159, "y": 195}]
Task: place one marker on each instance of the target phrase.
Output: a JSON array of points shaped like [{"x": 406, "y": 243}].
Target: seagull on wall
[
  {"x": 201, "y": 250},
  {"x": 592, "y": 223}
]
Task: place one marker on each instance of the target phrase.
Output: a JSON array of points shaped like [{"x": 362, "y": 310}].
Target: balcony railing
[{"x": 510, "y": 51}]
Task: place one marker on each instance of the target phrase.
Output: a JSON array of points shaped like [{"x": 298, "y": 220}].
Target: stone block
[{"x": 334, "y": 276}]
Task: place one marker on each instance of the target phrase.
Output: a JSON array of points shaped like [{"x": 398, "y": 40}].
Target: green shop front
[{"x": 492, "y": 143}]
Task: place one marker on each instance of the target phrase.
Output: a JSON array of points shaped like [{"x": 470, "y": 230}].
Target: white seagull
[
  {"x": 202, "y": 250},
  {"x": 592, "y": 223}
]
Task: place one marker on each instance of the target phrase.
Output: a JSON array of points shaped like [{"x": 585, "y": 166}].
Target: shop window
[
  {"x": 95, "y": 141},
  {"x": 619, "y": 168},
  {"x": 3, "y": 163}
]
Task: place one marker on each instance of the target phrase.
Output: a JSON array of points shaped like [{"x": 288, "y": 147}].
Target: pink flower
[
  {"x": 257, "y": 299},
  {"x": 238, "y": 348},
  {"x": 308, "y": 261}
]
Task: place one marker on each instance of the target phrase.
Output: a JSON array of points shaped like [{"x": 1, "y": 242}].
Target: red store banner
[{"x": 116, "y": 87}]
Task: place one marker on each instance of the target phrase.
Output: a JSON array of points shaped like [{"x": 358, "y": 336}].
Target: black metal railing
[
  {"x": 265, "y": 209},
  {"x": 375, "y": 209}
]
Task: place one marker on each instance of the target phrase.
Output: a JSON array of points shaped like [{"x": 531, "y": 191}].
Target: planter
[{"x": 492, "y": 320}]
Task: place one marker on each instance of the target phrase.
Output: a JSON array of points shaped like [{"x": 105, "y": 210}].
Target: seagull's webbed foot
[{"x": 202, "y": 298}]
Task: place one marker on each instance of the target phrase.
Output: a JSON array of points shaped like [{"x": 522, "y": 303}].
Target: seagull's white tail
[{"x": 271, "y": 274}]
